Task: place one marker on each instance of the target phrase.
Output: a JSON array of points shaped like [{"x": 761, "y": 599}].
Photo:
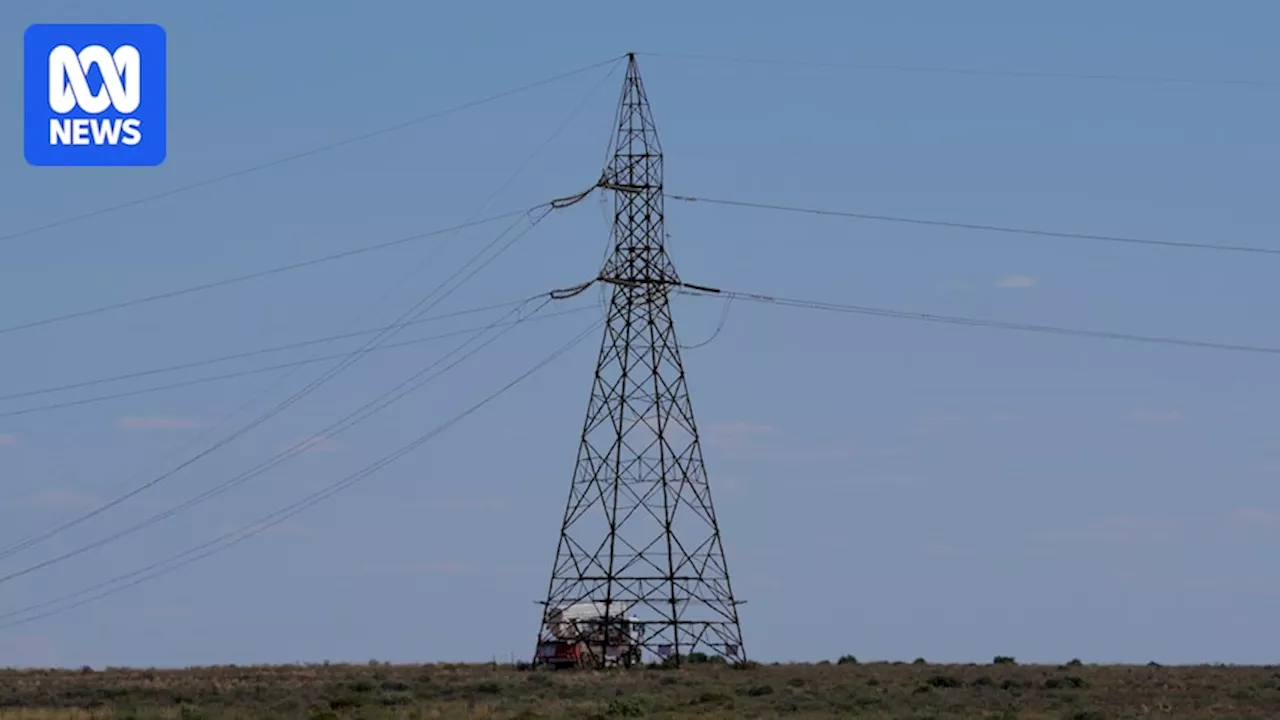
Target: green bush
[{"x": 625, "y": 707}]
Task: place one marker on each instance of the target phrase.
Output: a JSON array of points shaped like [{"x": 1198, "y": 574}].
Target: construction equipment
[{"x": 591, "y": 634}]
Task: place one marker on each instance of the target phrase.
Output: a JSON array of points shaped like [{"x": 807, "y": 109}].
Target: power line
[
  {"x": 975, "y": 72},
  {"x": 982, "y": 227},
  {"x": 556, "y": 133},
  {"x": 406, "y": 387},
  {"x": 413, "y": 313},
  {"x": 417, "y": 310},
  {"x": 235, "y": 537},
  {"x": 246, "y": 354},
  {"x": 282, "y": 515},
  {"x": 263, "y": 273},
  {"x": 724, "y": 318},
  {"x": 974, "y": 322},
  {"x": 306, "y": 153},
  {"x": 254, "y": 371},
  {"x": 472, "y": 222}
]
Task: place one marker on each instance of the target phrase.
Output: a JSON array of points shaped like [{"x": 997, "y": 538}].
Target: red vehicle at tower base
[{"x": 576, "y": 635}]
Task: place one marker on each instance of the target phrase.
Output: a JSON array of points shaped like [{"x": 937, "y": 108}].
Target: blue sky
[{"x": 886, "y": 488}]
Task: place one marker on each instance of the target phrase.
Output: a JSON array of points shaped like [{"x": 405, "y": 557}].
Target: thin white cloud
[
  {"x": 170, "y": 612},
  {"x": 1253, "y": 518},
  {"x": 64, "y": 500},
  {"x": 1247, "y": 526},
  {"x": 156, "y": 422},
  {"x": 1146, "y": 416},
  {"x": 436, "y": 568},
  {"x": 740, "y": 429},
  {"x": 938, "y": 421},
  {"x": 740, "y": 436},
  {"x": 484, "y": 503},
  {"x": 832, "y": 541},
  {"x": 835, "y": 453},
  {"x": 452, "y": 567},
  {"x": 30, "y": 651},
  {"x": 1017, "y": 281},
  {"x": 725, "y": 486},
  {"x": 1244, "y": 525},
  {"x": 939, "y": 549},
  {"x": 1135, "y": 529}
]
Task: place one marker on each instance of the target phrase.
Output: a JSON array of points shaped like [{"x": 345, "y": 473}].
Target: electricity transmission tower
[{"x": 640, "y": 568}]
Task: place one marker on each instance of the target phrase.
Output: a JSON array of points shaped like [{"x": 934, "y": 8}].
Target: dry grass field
[{"x": 827, "y": 690}]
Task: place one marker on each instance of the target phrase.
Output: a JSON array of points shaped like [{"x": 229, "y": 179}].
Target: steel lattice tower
[{"x": 640, "y": 535}]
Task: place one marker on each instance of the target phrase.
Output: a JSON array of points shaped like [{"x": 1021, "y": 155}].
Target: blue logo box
[{"x": 94, "y": 95}]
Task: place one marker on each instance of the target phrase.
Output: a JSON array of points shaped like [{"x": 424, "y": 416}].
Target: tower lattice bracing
[{"x": 640, "y": 560}]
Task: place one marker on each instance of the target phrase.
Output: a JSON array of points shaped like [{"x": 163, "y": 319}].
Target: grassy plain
[{"x": 873, "y": 690}]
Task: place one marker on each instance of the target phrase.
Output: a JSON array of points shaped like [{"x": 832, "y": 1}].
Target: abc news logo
[
  {"x": 95, "y": 95},
  {"x": 69, "y": 88}
]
